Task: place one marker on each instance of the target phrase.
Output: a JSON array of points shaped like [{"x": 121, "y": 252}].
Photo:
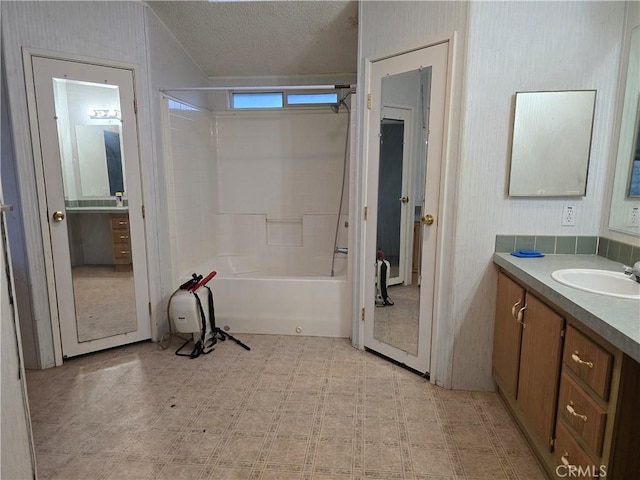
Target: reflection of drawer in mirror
[{"x": 121, "y": 241}]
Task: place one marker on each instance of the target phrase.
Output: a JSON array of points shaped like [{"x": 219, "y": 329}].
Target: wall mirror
[
  {"x": 99, "y": 160},
  {"x": 624, "y": 215},
  {"x": 401, "y": 178},
  {"x": 551, "y": 143}
]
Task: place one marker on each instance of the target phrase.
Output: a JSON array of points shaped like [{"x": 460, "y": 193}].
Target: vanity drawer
[
  {"x": 590, "y": 362},
  {"x": 121, "y": 237},
  {"x": 572, "y": 461},
  {"x": 120, "y": 222},
  {"x": 582, "y": 413},
  {"x": 122, "y": 253},
  {"x": 121, "y": 240}
]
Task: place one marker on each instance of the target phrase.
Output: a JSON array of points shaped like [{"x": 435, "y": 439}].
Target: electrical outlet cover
[{"x": 569, "y": 215}]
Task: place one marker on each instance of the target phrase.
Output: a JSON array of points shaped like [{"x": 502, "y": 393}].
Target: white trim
[
  {"x": 442, "y": 336},
  {"x": 260, "y": 88},
  {"x": 30, "y": 88}
]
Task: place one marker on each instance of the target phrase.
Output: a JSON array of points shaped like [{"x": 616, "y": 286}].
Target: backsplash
[
  {"x": 618, "y": 251},
  {"x": 570, "y": 245},
  {"x": 108, "y": 202}
]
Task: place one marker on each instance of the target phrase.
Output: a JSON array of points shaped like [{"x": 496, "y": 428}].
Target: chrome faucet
[
  {"x": 633, "y": 272},
  {"x": 345, "y": 250}
]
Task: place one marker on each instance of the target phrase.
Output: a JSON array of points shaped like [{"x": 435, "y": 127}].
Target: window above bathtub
[{"x": 261, "y": 100}]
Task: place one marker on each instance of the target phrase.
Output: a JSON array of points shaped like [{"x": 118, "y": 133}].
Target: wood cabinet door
[
  {"x": 507, "y": 335},
  {"x": 540, "y": 367}
]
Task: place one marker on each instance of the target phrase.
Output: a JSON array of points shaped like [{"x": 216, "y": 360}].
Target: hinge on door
[
  {"x": 143, "y": 212},
  {"x": 562, "y": 332},
  {"x": 149, "y": 308},
  {"x": 362, "y": 316},
  {"x": 368, "y": 101},
  {"x": 366, "y": 211},
  {"x": 552, "y": 443},
  {"x": 135, "y": 106}
]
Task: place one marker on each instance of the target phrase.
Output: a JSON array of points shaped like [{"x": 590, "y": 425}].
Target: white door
[
  {"x": 89, "y": 147},
  {"x": 394, "y": 195},
  {"x": 401, "y": 329},
  {"x": 17, "y": 459}
]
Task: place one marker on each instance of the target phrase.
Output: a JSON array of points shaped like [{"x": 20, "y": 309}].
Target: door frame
[
  {"x": 27, "y": 54},
  {"x": 441, "y": 357}
]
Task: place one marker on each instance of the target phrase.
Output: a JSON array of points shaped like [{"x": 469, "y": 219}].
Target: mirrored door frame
[
  {"x": 436, "y": 56},
  {"x": 406, "y": 115},
  {"x": 135, "y": 204}
]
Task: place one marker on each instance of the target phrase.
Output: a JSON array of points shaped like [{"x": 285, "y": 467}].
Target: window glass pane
[
  {"x": 312, "y": 98},
  {"x": 256, "y": 100},
  {"x": 173, "y": 105}
]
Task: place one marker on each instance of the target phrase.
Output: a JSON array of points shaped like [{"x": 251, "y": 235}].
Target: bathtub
[{"x": 253, "y": 297}]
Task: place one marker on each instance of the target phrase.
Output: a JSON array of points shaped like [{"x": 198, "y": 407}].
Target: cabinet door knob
[
  {"x": 58, "y": 216},
  {"x": 572, "y": 411},
  {"x": 576, "y": 358}
]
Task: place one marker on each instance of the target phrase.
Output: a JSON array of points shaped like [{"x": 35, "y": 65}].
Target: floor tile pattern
[{"x": 292, "y": 408}]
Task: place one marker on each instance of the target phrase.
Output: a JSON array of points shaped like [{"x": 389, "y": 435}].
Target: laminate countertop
[
  {"x": 97, "y": 209},
  {"x": 617, "y": 320}
]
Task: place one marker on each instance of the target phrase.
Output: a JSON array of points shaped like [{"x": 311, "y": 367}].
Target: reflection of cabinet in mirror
[
  {"x": 121, "y": 241},
  {"x": 99, "y": 238}
]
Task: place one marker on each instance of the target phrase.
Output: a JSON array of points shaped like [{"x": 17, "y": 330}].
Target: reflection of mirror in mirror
[
  {"x": 625, "y": 196},
  {"x": 99, "y": 160},
  {"x": 634, "y": 176},
  {"x": 401, "y": 179},
  {"x": 551, "y": 143}
]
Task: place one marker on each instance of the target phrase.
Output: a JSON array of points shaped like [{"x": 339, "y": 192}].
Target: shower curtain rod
[{"x": 263, "y": 88}]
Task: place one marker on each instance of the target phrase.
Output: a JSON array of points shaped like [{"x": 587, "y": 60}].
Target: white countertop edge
[{"x": 97, "y": 209}]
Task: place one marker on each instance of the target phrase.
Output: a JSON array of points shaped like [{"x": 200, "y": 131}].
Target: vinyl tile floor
[{"x": 291, "y": 408}]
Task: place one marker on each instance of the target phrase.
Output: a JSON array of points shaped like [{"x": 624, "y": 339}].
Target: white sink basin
[{"x": 604, "y": 282}]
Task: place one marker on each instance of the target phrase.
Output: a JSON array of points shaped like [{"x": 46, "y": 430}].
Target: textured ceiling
[{"x": 265, "y": 38}]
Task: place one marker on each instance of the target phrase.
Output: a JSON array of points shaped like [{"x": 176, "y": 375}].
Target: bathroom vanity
[{"x": 567, "y": 364}]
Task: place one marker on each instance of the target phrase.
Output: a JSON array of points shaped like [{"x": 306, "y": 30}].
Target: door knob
[
  {"x": 58, "y": 216},
  {"x": 428, "y": 219},
  {"x": 404, "y": 199}
]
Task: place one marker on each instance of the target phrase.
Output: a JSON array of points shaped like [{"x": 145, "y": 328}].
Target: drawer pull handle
[
  {"x": 125, "y": 252},
  {"x": 564, "y": 459},
  {"x": 122, "y": 223},
  {"x": 124, "y": 237},
  {"x": 572, "y": 411},
  {"x": 576, "y": 358},
  {"x": 520, "y": 315},
  {"x": 514, "y": 309}
]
